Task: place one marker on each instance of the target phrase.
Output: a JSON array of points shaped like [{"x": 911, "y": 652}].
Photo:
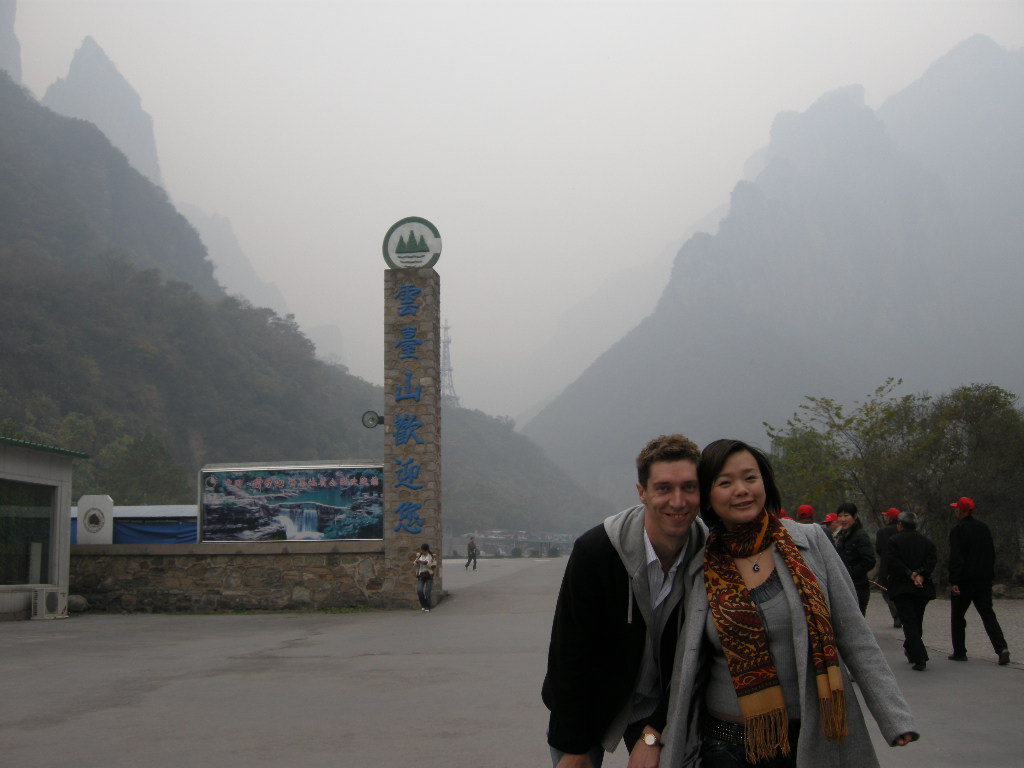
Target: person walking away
[
  {"x": 856, "y": 551},
  {"x": 426, "y": 566},
  {"x": 910, "y": 559},
  {"x": 886, "y": 532},
  {"x": 972, "y": 560},
  {"x": 771, "y": 626},
  {"x": 618, "y": 615},
  {"x": 471, "y": 553}
]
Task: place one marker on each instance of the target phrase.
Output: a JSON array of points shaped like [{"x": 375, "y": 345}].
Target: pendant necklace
[{"x": 756, "y": 566}]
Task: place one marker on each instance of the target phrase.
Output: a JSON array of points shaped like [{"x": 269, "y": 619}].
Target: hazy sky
[{"x": 552, "y": 143}]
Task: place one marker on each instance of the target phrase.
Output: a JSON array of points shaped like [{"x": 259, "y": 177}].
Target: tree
[
  {"x": 139, "y": 470},
  {"x": 914, "y": 453}
]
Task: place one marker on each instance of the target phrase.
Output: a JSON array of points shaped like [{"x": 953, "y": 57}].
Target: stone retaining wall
[{"x": 229, "y": 576}]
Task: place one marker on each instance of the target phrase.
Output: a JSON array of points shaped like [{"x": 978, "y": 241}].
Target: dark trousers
[
  {"x": 979, "y": 593},
  {"x": 891, "y": 605},
  {"x": 471, "y": 559},
  {"x": 911, "y": 610}
]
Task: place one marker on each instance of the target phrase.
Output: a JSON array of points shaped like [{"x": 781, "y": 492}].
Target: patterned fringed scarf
[{"x": 745, "y": 642}]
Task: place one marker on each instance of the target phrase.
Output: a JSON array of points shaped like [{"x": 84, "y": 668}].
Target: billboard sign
[{"x": 308, "y": 502}]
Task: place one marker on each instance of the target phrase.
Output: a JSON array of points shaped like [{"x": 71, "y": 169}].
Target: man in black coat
[
  {"x": 617, "y": 619},
  {"x": 910, "y": 559},
  {"x": 971, "y": 570},
  {"x": 885, "y": 533}
]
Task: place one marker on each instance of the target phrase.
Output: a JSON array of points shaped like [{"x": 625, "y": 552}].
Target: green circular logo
[{"x": 412, "y": 243}]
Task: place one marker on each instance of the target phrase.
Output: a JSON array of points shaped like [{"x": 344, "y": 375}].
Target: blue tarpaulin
[{"x": 149, "y": 531}]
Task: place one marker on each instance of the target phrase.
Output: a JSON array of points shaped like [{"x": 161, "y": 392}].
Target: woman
[
  {"x": 426, "y": 565},
  {"x": 856, "y": 551},
  {"x": 771, "y": 623}
]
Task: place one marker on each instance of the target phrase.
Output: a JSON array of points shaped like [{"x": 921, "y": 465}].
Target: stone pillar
[{"x": 412, "y": 426}]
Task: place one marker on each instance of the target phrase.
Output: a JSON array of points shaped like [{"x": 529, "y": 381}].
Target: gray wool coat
[{"x": 858, "y": 651}]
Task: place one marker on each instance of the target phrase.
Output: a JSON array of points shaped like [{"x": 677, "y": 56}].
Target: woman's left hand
[{"x": 903, "y": 739}]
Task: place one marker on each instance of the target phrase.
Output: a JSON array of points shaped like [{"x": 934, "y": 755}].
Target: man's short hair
[
  {"x": 908, "y": 520},
  {"x": 665, "y": 448}
]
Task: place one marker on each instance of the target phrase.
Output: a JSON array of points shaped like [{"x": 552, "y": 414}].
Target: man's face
[{"x": 671, "y": 500}]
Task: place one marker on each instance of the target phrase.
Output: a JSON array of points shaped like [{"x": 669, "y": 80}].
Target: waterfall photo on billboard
[{"x": 292, "y": 503}]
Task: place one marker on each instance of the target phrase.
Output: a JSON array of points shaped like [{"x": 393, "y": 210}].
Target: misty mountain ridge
[
  {"x": 69, "y": 192},
  {"x": 584, "y": 331},
  {"x": 95, "y": 90},
  {"x": 848, "y": 259},
  {"x": 232, "y": 267},
  {"x": 10, "y": 47}
]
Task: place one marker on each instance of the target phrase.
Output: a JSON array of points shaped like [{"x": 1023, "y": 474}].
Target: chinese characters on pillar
[{"x": 406, "y": 422}]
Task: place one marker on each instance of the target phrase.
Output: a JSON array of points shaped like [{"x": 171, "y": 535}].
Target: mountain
[
  {"x": 232, "y": 267},
  {"x": 10, "y": 48},
  {"x": 583, "y": 331},
  {"x": 95, "y": 90},
  {"x": 67, "y": 191},
  {"x": 863, "y": 249},
  {"x": 118, "y": 342}
]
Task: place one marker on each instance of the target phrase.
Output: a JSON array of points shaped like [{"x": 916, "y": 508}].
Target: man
[
  {"x": 618, "y": 615},
  {"x": 910, "y": 559},
  {"x": 805, "y": 513},
  {"x": 971, "y": 570},
  {"x": 886, "y": 532},
  {"x": 471, "y": 552}
]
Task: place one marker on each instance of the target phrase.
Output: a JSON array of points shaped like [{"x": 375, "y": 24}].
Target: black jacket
[
  {"x": 598, "y": 638},
  {"x": 858, "y": 555},
  {"x": 972, "y": 557},
  {"x": 910, "y": 552},
  {"x": 885, "y": 533}
]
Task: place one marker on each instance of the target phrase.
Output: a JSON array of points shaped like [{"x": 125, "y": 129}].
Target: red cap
[
  {"x": 964, "y": 504},
  {"x": 805, "y": 512},
  {"x": 892, "y": 513},
  {"x": 831, "y": 517}
]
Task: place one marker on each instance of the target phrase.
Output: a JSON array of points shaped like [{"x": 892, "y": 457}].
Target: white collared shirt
[{"x": 660, "y": 582}]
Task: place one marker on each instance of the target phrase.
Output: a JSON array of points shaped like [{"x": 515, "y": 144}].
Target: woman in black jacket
[{"x": 855, "y": 548}]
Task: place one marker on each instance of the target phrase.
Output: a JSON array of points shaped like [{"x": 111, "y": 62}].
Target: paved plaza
[{"x": 456, "y": 687}]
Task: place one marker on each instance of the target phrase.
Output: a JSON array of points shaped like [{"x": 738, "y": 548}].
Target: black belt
[
  {"x": 723, "y": 730},
  {"x": 734, "y": 733}
]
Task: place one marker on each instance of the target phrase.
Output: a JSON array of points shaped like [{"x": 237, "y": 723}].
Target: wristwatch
[{"x": 650, "y": 739}]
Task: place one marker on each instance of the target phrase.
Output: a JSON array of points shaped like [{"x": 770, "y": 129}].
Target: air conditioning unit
[{"x": 49, "y": 603}]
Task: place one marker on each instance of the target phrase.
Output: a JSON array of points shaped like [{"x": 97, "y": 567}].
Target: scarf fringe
[
  {"x": 766, "y": 735},
  {"x": 833, "y": 716}
]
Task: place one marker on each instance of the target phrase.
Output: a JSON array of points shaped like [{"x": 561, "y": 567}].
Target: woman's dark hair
[
  {"x": 713, "y": 458},
  {"x": 425, "y": 548},
  {"x": 848, "y": 507}
]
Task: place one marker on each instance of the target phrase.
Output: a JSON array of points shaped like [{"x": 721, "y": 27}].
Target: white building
[{"x": 35, "y": 525}]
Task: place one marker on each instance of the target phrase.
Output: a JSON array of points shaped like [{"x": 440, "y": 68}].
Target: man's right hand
[{"x": 575, "y": 761}]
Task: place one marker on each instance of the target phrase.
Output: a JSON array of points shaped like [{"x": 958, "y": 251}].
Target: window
[{"x": 26, "y": 532}]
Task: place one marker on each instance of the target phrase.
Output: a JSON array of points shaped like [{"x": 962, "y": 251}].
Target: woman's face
[
  {"x": 737, "y": 493},
  {"x": 846, "y": 520}
]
